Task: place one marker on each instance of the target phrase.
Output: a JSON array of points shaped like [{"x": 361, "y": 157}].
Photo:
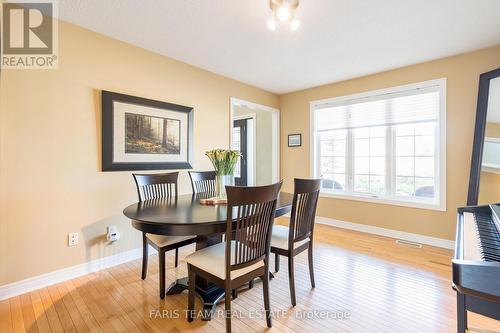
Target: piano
[{"x": 476, "y": 263}]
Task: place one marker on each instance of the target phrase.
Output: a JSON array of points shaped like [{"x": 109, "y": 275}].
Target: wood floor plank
[
  {"x": 82, "y": 307},
  {"x": 5, "y": 316},
  {"x": 28, "y": 314},
  {"x": 71, "y": 308},
  {"x": 380, "y": 285},
  {"x": 41, "y": 318},
  {"x": 17, "y": 315},
  {"x": 87, "y": 293},
  {"x": 118, "y": 292},
  {"x": 62, "y": 312},
  {"x": 50, "y": 311},
  {"x": 123, "y": 323}
]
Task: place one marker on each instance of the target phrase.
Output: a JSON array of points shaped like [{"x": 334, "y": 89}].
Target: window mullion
[
  {"x": 349, "y": 162},
  {"x": 389, "y": 161},
  {"x": 438, "y": 159}
]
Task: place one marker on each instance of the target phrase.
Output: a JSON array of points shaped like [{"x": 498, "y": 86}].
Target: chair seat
[
  {"x": 279, "y": 238},
  {"x": 212, "y": 260},
  {"x": 162, "y": 241}
]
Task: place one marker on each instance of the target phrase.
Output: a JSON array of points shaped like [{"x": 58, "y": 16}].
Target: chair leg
[
  {"x": 227, "y": 303},
  {"x": 267, "y": 306},
  {"x": 191, "y": 283},
  {"x": 234, "y": 293},
  {"x": 276, "y": 262},
  {"x": 144, "y": 256},
  {"x": 311, "y": 269},
  {"x": 176, "y": 257},
  {"x": 251, "y": 284},
  {"x": 291, "y": 279},
  {"x": 161, "y": 258}
]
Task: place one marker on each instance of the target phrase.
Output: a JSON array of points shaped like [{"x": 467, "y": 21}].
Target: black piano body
[{"x": 476, "y": 263}]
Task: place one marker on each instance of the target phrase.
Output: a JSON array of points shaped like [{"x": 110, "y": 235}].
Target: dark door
[{"x": 240, "y": 143}]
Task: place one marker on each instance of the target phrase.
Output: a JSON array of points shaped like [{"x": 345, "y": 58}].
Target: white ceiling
[{"x": 338, "y": 39}]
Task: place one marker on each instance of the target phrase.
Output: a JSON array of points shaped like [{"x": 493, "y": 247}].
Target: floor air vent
[{"x": 409, "y": 243}]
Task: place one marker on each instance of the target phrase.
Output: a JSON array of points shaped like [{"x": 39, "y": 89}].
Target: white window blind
[
  {"x": 383, "y": 146},
  {"x": 418, "y": 105}
]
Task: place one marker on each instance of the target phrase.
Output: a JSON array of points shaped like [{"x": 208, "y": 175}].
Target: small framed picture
[{"x": 294, "y": 140}]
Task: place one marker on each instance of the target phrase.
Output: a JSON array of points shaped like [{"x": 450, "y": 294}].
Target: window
[
  {"x": 491, "y": 155},
  {"x": 385, "y": 146}
]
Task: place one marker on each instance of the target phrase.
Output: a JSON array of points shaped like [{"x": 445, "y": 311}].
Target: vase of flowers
[{"x": 224, "y": 161}]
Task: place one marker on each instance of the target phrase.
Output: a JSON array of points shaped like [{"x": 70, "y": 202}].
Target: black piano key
[{"x": 488, "y": 236}]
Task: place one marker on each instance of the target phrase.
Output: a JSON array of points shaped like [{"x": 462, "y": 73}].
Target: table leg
[
  {"x": 209, "y": 293},
  {"x": 210, "y": 296}
]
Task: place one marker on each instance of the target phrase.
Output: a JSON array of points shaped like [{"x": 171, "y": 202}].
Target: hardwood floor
[{"x": 370, "y": 281}]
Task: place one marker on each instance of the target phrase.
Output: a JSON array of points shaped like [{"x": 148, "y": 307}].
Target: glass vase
[{"x": 220, "y": 182}]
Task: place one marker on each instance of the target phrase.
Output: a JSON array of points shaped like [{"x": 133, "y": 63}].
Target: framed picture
[
  {"x": 294, "y": 140},
  {"x": 144, "y": 134}
]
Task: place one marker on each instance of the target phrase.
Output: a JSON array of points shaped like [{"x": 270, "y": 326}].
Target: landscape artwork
[
  {"x": 145, "y": 134},
  {"x": 151, "y": 135}
]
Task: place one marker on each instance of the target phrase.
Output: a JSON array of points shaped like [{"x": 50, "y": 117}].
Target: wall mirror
[
  {"x": 484, "y": 185},
  {"x": 255, "y": 133}
]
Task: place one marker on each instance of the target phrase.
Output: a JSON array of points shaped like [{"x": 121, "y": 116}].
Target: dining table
[{"x": 184, "y": 215}]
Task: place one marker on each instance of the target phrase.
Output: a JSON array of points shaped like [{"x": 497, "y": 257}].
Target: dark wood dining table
[{"x": 184, "y": 215}]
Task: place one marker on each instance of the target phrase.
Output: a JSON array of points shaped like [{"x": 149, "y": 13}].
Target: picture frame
[
  {"x": 295, "y": 140},
  {"x": 145, "y": 134}
]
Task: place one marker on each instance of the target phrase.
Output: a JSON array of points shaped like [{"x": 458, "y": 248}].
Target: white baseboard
[
  {"x": 428, "y": 240},
  {"x": 44, "y": 280}
]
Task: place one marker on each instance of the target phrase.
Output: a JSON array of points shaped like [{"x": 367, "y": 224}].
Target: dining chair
[
  {"x": 159, "y": 186},
  {"x": 202, "y": 181},
  {"x": 244, "y": 255},
  {"x": 203, "y": 184},
  {"x": 292, "y": 240}
]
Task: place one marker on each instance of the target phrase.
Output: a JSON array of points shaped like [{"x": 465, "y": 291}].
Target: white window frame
[
  {"x": 440, "y": 155},
  {"x": 491, "y": 167}
]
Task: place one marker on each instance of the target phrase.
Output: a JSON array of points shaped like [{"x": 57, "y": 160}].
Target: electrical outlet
[
  {"x": 113, "y": 234},
  {"x": 73, "y": 239}
]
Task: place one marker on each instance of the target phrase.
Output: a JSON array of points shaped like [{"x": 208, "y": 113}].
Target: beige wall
[
  {"x": 462, "y": 73},
  {"x": 51, "y": 182}
]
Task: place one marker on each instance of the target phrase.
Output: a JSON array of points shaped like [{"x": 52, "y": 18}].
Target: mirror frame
[{"x": 479, "y": 134}]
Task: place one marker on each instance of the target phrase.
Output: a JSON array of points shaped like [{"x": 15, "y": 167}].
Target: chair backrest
[
  {"x": 305, "y": 200},
  {"x": 250, "y": 217},
  {"x": 156, "y": 186},
  {"x": 202, "y": 181}
]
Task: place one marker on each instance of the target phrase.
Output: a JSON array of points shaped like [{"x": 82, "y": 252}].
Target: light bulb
[
  {"x": 283, "y": 13},
  {"x": 271, "y": 24},
  {"x": 295, "y": 24}
]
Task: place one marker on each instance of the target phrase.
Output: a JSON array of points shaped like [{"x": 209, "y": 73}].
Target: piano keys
[{"x": 476, "y": 263}]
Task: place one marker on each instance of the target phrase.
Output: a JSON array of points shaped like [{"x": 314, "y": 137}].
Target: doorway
[
  {"x": 242, "y": 141},
  {"x": 255, "y": 133}
]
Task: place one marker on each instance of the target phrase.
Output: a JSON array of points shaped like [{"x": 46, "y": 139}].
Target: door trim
[{"x": 276, "y": 131}]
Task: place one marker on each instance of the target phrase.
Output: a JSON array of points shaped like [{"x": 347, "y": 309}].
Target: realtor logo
[{"x": 29, "y": 35}]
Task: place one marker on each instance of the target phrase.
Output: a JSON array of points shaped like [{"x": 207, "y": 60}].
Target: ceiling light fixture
[{"x": 283, "y": 11}]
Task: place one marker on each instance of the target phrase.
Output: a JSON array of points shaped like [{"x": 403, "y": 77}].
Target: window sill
[
  {"x": 491, "y": 168},
  {"x": 384, "y": 200}
]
